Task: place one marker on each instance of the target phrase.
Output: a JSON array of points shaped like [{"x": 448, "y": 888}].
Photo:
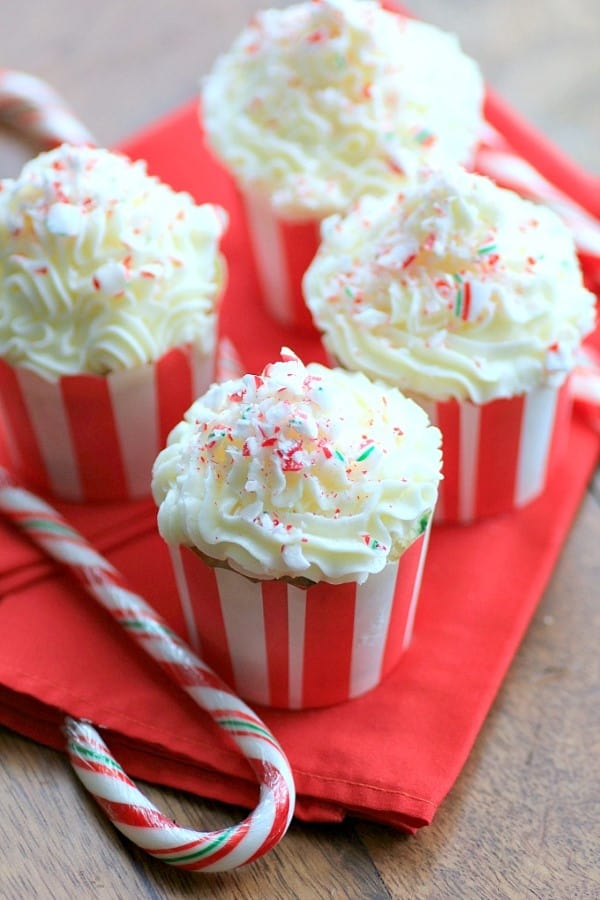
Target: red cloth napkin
[{"x": 390, "y": 756}]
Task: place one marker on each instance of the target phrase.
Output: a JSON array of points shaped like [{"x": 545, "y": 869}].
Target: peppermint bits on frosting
[
  {"x": 454, "y": 288},
  {"x": 102, "y": 266},
  {"x": 280, "y": 475}
]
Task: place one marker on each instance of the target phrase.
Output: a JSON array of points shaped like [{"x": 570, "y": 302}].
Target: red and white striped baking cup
[
  {"x": 282, "y": 251},
  {"x": 95, "y": 438},
  {"x": 497, "y": 455},
  {"x": 292, "y": 648}
]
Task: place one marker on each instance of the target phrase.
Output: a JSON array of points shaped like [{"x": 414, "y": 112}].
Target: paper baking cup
[
  {"x": 90, "y": 437},
  {"x": 282, "y": 251},
  {"x": 294, "y": 648},
  {"x": 497, "y": 456}
]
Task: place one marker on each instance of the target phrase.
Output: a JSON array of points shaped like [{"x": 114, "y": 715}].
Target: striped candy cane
[
  {"x": 37, "y": 112},
  {"x": 497, "y": 160},
  {"x": 93, "y": 763}
]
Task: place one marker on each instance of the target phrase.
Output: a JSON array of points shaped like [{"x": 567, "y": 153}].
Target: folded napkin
[{"x": 391, "y": 755}]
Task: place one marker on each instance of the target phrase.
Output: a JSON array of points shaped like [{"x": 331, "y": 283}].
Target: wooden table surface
[{"x": 523, "y": 819}]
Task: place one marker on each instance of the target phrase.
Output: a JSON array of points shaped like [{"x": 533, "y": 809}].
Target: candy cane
[
  {"x": 93, "y": 763},
  {"x": 36, "y": 111},
  {"x": 496, "y": 159}
]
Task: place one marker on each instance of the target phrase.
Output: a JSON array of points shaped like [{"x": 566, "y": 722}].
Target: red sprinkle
[{"x": 394, "y": 166}]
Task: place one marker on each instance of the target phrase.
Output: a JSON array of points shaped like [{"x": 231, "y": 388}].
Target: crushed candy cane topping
[
  {"x": 300, "y": 471},
  {"x": 103, "y": 267},
  {"x": 321, "y": 102},
  {"x": 453, "y": 288}
]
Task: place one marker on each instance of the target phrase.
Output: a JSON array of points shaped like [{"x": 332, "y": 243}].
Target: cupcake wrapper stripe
[
  {"x": 287, "y": 647},
  {"x": 282, "y": 252},
  {"x": 92, "y": 438},
  {"x": 497, "y": 455}
]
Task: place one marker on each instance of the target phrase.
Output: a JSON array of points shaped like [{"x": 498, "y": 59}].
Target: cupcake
[
  {"x": 296, "y": 504},
  {"x": 322, "y": 102},
  {"x": 109, "y": 285},
  {"x": 470, "y": 299}
]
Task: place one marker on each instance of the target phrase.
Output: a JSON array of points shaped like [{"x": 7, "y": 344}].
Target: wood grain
[{"x": 524, "y": 818}]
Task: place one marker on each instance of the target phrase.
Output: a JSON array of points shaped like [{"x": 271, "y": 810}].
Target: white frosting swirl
[
  {"x": 454, "y": 289},
  {"x": 301, "y": 472},
  {"x": 319, "y": 103},
  {"x": 103, "y": 267}
]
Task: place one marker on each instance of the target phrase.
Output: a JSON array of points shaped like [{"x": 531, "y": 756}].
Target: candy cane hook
[
  {"x": 37, "y": 112},
  {"x": 125, "y": 805}
]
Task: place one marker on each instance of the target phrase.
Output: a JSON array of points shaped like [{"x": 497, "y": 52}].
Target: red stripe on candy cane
[
  {"x": 96, "y": 445},
  {"x": 268, "y": 774},
  {"x": 328, "y": 638},
  {"x": 132, "y": 816},
  {"x": 225, "y": 850}
]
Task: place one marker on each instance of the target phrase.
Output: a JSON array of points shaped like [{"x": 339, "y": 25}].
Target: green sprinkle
[
  {"x": 365, "y": 453},
  {"x": 459, "y": 295},
  {"x": 340, "y": 455},
  {"x": 487, "y": 249},
  {"x": 423, "y": 523},
  {"x": 348, "y": 292},
  {"x": 423, "y": 135}
]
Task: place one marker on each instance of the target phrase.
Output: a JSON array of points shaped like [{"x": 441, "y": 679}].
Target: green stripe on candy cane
[{"x": 92, "y": 761}]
